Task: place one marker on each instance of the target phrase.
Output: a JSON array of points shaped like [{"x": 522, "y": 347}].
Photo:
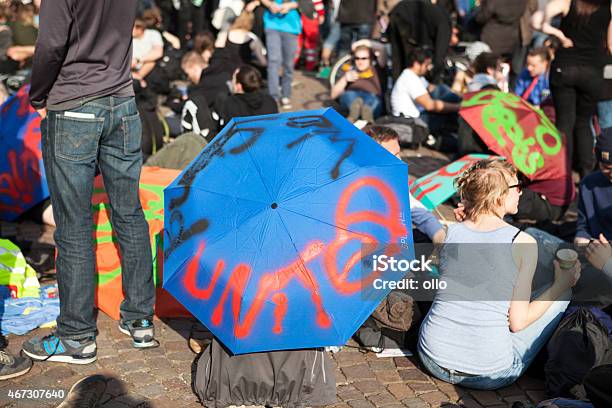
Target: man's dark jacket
[
  {"x": 83, "y": 51},
  {"x": 418, "y": 23}
]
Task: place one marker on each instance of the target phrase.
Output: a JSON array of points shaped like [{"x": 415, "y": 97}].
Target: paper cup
[{"x": 567, "y": 258}]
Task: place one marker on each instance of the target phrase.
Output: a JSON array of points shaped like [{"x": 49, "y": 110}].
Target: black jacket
[
  {"x": 357, "y": 11},
  {"x": 247, "y": 104},
  {"x": 83, "y": 51},
  {"x": 418, "y": 23},
  {"x": 501, "y": 20}
]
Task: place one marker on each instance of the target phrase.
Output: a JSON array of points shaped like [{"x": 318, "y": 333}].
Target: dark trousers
[
  {"x": 536, "y": 207},
  {"x": 575, "y": 90},
  {"x": 349, "y": 33}
]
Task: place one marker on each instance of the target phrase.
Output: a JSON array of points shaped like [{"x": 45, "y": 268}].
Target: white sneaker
[{"x": 286, "y": 103}]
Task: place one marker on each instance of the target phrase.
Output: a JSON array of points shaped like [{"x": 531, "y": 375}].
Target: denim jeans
[
  {"x": 526, "y": 344},
  {"x": 281, "y": 52},
  {"x": 103, "y": 133},
  {"x": 349, "y": 33},
  {"x": 442, "y": 124},
  {"x": 373, "y": 101},
  {"x": 604, "y": 110}
]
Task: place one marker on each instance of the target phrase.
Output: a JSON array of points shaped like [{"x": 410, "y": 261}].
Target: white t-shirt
[
  {"x": 144, "y": 45},
  {"x": 407, "y": 89}
]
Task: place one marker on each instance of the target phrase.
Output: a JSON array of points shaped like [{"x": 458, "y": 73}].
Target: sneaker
[
  {"x": 285, "y": 103},
  {"x": 367, "y": 113},
  {"x": 87, "y": 392},
  {"x": 355, "y": 110},
  {"x": 141, "y": 331},
  {"x": 13, "y": 366},
  {"x": 52, "y": 348},
  {"x": 324, "y": 73}
]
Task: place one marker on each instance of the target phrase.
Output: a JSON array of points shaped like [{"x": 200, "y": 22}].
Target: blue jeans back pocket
[
  {"x": 76, "y": 139},
  {"x": 131, "y": 126}
]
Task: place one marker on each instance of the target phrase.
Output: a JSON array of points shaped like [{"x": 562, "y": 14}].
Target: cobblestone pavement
[{"x": 162, "y": 377}]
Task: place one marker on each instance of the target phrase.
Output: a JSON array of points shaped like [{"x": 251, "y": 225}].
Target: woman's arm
[
  {"x": 339, "y": 87},
  {"x": 610, "y": 34},
  {"x": 524, "y": 312},
  {"x": 554, "y": 8},
  {"x": 258, "y": 51}
]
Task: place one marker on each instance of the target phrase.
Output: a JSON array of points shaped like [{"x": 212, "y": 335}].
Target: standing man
[{"x": 82, "y": 87}]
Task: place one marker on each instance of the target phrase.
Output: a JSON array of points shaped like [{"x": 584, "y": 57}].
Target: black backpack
[
  {"x": 580, "y": 343},
  {"x": 412, "y": 132}
]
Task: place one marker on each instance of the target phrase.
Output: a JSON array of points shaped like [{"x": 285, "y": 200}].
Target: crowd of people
[{"x": 197, "y": 64}]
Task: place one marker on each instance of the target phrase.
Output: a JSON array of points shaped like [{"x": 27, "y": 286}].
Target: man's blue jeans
[
  {"x": 281, "y": 52},
  {"x": 442, "y": 123},
  {"x": 104, "y": 133},
  {"x": 373, "y": 101}
]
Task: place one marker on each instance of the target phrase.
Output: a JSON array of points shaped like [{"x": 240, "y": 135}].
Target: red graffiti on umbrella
[
  {"x": 271, "y": 284},
  {"x": 18, "y": 183}
]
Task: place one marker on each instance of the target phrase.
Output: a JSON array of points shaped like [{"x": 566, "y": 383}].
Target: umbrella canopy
[
  {"x": 268, "y": 233},
  {"x": 23, "y": 183},
  {"x": 438, "y": 186},
  {"x": 517, "y": 130}
]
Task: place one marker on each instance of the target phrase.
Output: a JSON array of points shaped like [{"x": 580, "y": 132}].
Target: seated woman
[
  {"x": 360, "y": 90},
  {"x": 486, "y": 328},
  {"x": 240, "y": 43},
  {"x": 249, "y": 98}
]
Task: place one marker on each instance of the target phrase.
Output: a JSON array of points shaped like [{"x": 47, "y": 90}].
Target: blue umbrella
[
  {"x": 270, "y": 232},
  {"x": 23, "y": 183}
]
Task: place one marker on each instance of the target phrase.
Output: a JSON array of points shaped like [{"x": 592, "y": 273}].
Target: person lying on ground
[
  {"x": 423, "y": 220},
  {"x": 486, "y": 328}
]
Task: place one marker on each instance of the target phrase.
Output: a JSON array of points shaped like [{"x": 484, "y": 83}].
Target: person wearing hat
[{"x": 594, "y": 214}]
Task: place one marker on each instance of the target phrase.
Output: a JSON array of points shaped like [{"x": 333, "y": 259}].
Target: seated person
[
  {"x": 487, "y": 73},
  {"x": 24, "y": 34},
  {"x": 241, "y": 43},
  {"x": 250, "y": 97},
  {"x": 413, "y": 96},
  {"x": 485, "y": 329},
  {"x": 204, "y": 44},
  {"x": 196, "y": 116},
  {"x": 148, "y": 48},
  {"x": 532, "y": 84},
  {"x": 360, "y": 90},
  {"x": 7, "y": 65},
  {"x": 422, "y": 219},
  {"x": 594, "y": 214}
]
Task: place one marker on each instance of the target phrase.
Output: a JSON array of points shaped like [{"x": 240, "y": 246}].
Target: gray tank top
[{"x": 467, "y": 326}]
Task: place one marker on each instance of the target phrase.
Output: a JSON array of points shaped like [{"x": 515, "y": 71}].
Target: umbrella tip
[{"x": 274, "y": 206}]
